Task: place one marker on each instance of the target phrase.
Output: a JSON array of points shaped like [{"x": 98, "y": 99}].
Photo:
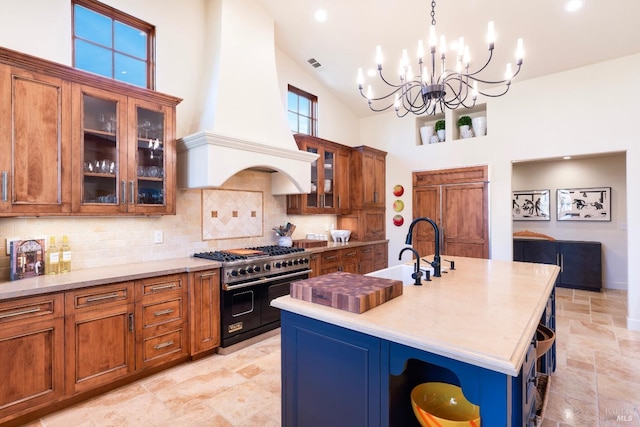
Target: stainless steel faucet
[
  {"x": 417, "y": 273},
  {"x": 436, "y": 258}
]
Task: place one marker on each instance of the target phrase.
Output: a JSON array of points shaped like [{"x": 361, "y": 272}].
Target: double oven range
[{"x": 250, "y": 279}]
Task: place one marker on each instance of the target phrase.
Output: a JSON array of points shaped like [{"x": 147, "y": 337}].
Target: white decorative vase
[
  {"x": 441, "y": 134},
  {"x": 465, "y": 132},
  {"x": 479, "y": 125},
  {"x": 285, "y": 241},
  {"x": 426, "y": 132}
]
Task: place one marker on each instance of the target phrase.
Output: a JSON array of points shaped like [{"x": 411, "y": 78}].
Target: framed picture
[
  {"x": 584, "y": 204},
  {"x": 530, "y": 205},
  {"x": 26, "y": 258}
]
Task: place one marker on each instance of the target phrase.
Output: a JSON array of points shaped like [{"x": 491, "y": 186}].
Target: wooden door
[
  {"x": 35, "y": 170},
  {"x": 31, "y": 353},
  {"x": 342, "y": 182},
  {"x": 373, "y": 179},
  {"x": 464, "y": 223},
  {"x": 99, "y": 336},
  {"x": 204, "y": 310},
  {"x": 426, "y": 203}
]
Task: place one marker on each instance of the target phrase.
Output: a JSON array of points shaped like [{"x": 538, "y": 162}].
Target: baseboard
[{"x": 633, "y": 324}]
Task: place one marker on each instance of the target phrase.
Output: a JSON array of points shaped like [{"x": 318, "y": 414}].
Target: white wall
[
  {"x": 601, "y": 171},
  {"x": 567, "y": 113}
]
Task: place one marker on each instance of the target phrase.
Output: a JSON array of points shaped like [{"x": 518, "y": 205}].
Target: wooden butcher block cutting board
[{"x": 347, "y": 291}]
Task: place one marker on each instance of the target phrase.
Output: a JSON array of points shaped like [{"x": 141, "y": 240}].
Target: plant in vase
[
  {"x": 440, "y": 130},
  {"x": 464, "y": 123}
]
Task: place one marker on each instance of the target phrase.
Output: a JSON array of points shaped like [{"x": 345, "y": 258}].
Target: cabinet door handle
[
  {"x": 375, "y": 197},
  {"x": 131, "y": 198},
  {"x": 339, "y": 204},
  {"x": 163, "y": 345},
  {"x": 102, "y": 297},
  {"x": 163, "y": 312},
  {"x": 131, "y": 322},
  {"x": 561, "y": 263},
  {"x": 19, "y": 313},
  {"x": 4, "y": 186},
  {"x": 123, "y": 193}
]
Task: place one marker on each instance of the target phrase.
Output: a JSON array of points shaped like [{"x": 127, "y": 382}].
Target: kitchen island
[{"x": 474, "y": 326}]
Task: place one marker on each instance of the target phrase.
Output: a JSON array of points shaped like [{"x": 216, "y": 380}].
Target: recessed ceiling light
[
  {"x": 320, "y": 15},
  {"x": 573, "y": 5}
]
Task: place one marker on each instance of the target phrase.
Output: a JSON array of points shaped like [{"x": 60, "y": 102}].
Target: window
[
  {"x": 113, "y": 44},
  {"x": 301, "y": 111}
]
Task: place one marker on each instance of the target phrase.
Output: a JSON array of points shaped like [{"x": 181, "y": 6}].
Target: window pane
[
  {"x": 305, "y": 106},
  {"x": 292, "y": 101},
  {"x": 131, "y": 70},
  {"x": 93, "y": 58},
  {"x": 92, "y": 26},
  {"x": 130, "y": 40},
  {"x": 305, "y": 125},
  {"x": 293, "y": 121}
]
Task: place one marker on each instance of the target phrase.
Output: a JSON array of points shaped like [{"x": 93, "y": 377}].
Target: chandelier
[{"x": 436, "y": 86}]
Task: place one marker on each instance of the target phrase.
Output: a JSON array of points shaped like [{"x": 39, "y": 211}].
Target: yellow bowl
[{"x": 441, "y": 404}]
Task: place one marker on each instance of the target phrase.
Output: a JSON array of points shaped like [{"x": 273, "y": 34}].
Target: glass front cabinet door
[{"x": 120, "y": 146}]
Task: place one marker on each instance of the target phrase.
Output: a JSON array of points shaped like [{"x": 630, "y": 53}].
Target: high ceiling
[{"x": 554, "y": 39}]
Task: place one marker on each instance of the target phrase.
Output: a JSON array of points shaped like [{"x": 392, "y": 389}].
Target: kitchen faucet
[
  {"x": 436, "y": 258},
  {"x": 417, "y": 274}
]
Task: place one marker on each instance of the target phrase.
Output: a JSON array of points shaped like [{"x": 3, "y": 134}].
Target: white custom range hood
[{"x": 243, "y": 123}]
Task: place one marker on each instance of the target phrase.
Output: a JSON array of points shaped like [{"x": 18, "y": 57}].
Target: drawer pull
[
  {"x": 350, "y": 254},
  {"x": 163, "y": 287},
  {"x": 331, "y": 257},
  {"x": 102, "y": 297},
  {"x": 20, "y": 313},
  {"x": 163, "y": 345},
  {"x": 163, "y": 312}
]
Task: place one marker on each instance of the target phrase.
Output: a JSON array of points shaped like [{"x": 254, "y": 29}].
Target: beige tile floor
[{"x": 596, "y": 384}]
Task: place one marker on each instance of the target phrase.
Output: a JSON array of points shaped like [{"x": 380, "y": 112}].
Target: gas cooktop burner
[{"x": 245, "y": 254}]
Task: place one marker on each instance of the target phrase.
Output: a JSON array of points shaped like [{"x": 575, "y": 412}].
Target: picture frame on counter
[
  {"x": 530, "y": 205},
  {"x": 584, "y": 204}
]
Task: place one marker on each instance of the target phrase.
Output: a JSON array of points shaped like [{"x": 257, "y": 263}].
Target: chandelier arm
[
  {"x": 484, "y": 66},
  {"x": 504, "y": 81},
  {"x": 388, "y": 82},
  {"x": 496, "y": 95}
]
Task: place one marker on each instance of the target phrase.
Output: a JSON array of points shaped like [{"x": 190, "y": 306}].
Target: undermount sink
[{"x": 400, "y": 272}]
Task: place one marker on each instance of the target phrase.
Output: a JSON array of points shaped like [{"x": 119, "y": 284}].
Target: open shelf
[{"x": 479, "y": 110}]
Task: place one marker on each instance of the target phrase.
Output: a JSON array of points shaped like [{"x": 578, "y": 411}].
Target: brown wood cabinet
[
  {"x": 82, "y": 144},
  {"x": 380, "y": 256},
  {"x": 35, "y": 166},
  {"x": 367, "y": 217},
  {"x": 204, "y": 310},
  {"x": 329, "y": 179},
  {"x": 314, "y": 265},
  {"x": 162, "y": 333},
  {"x": 31, "y": 354},
  {"x": 457, "y": 200},
  {"x": 99, "y": 336}
]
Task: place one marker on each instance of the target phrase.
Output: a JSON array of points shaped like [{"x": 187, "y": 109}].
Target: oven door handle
[{"x": 262, "y": 280}]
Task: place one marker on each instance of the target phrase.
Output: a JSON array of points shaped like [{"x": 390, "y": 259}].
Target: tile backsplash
[{"x": 104, "y": 241}]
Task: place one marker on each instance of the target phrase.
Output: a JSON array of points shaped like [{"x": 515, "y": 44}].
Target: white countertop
[
  {"x": 101, "y": 276},
  {"x": 484, "y": 312}
]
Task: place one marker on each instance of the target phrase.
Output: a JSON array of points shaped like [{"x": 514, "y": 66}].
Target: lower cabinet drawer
[
  {"x": 162, "y": 312},
  {"x": 163, "y": 347}
]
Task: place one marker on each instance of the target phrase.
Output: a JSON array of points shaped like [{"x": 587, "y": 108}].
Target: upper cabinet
[
  {"x": 329, "y": 179},
  {"x": 82, "y": 144},
  {"x": 125, "y": 154},
  {"x": 35, "y": 165},
  {"x": 368, "y": 167}
]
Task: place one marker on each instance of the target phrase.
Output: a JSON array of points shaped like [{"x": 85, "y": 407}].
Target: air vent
[{"x": 314, "y": 63}]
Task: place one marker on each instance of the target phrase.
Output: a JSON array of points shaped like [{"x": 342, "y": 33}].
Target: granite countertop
[
  {"x": 484, "y": 312},
  {"x": 101, "y": 276}
]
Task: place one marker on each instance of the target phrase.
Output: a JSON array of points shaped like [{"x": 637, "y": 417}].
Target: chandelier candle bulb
[
  {"x": 491, "y": 35},
  {"x": 520, "y": 51}
]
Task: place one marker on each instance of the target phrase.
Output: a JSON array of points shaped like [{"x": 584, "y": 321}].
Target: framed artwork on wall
[
  {"x": 584, "y": 204},
  {"x": 530, "y": 205}
]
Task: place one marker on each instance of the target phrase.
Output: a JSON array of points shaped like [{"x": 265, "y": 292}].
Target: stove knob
[
  {"x": 256, "y": 268},
  {"x": 234, "y": 273},
  {"x": 296, "y": 261},
  {"x": 278, "y": 264},
  {"x": 305, "y": 260},
  {"x": 267, "y": 267},
  {"x": 242, "y": 271},
  {"x": 290, "y": 263},
  {"x": 249, "y": 270}
]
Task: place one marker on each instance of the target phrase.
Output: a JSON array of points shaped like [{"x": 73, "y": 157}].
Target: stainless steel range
[{"x": 251, "y": 278}]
